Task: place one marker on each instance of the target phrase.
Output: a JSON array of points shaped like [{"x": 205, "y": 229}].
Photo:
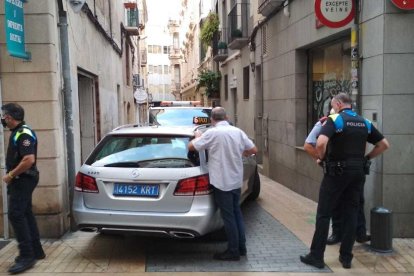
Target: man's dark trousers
[
  {"x": 21, "y": 215},
  {"x": 229, "y": 204},
  {"x": 346, "y": 188},
  {"x": 337, "y": 219}
]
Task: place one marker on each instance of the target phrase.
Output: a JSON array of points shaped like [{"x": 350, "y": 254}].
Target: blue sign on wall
[{"x": 14, "y": 22}]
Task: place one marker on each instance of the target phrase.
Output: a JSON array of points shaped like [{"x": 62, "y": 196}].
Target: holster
[{"x": 333, "y": 168}]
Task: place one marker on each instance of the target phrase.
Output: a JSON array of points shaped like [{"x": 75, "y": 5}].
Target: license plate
[{"x": 136, "y": 190}]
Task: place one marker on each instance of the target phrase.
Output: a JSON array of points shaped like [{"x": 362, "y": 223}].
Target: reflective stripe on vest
[
  {"x": 339, "y": 122},
  {"x": 23, "y": 130}
]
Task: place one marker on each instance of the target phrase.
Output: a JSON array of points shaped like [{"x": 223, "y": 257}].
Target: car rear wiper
[{"x": 128, "y": 164}]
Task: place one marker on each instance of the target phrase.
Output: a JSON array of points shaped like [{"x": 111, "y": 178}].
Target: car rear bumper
[{"x": 199, "y": 220}]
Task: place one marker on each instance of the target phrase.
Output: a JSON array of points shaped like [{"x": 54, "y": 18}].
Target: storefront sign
[
  {"x": 14, "y": 22},
  {"x": 404, "y": 4},
  {"x": 335, "y": 13}
]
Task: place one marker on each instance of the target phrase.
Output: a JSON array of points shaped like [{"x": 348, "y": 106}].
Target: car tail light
[
  {"x": 86, "y": 183},
  {"x": 198, "y": 185}
]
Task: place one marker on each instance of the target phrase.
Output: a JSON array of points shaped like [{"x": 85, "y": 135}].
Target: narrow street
[{"x": 279, "y": 228}]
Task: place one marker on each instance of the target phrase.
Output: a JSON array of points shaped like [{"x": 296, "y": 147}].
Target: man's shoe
[
  {"x": 22, "y": 265},
  {"x": 363, "y": 238},
  {"x": 333, "y": 239},
  {"x": 38, "y": 256},
  {"x": 345, "y": 264},
  {"x": 310, "y": 260},
  {"x": 226, "y": 256}
]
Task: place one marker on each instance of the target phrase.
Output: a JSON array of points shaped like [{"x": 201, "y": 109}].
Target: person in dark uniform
[
  {"x": 341, "y": 145},
  {"x": 21, "y": 178}
]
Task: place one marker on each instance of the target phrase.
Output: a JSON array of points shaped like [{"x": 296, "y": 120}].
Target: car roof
[{"x": 155, "y": 129}]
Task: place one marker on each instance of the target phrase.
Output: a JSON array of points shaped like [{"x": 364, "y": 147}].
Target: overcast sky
[{"x": 160, "y": 11}]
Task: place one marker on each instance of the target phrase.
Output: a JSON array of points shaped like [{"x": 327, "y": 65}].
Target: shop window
[{"x": 329, "y": 74}]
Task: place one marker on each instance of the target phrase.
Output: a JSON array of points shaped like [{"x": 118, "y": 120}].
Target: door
[
  {"x": 234, "y": 95},
  {"x": 259, "y": 114},
  {"x": 87, "y": 115}
]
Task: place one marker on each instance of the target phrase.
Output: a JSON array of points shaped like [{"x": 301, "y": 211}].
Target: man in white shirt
[{"x": 226, "y": 145}]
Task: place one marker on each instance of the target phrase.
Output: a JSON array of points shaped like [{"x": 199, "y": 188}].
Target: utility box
[{"x": 381, "y": 229}]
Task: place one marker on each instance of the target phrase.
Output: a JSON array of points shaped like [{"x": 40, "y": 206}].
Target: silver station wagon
[{"x": 144, "y": 179}]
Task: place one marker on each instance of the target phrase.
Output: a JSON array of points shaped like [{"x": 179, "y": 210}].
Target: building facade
[
  {"x": 278, "y": 82},
  {"x": 77, "y": 86}
]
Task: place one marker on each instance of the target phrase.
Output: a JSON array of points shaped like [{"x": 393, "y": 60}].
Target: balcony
[
  {"x": 238, "y": 35},
  {"x": 143, "y": 55},
  {"x": 267, "y": 6},
  {"x": 220, "y": 52},
  {"x": 174, "y": 54}
]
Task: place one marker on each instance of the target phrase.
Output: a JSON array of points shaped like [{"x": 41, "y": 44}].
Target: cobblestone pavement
[
  {"x": 270, "y": 247},
  {"x": 286, "y": 222}
]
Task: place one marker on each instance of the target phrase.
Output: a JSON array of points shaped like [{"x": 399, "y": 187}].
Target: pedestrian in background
[
  {"x": 226, "y": 145},
  {"x": 341, "y": 145},
  {"x": 21, "y": 178},
  {"x": 337, "y": 213}
]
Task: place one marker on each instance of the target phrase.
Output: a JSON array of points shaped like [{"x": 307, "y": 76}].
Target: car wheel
[{"x": 256, "y": 187}]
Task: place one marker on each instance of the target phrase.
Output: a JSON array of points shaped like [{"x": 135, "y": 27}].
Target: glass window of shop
[{"x": 329, "y": 74}]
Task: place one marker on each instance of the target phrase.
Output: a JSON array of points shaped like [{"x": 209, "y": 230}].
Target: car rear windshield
[
  {"x": 143, "y": 152},
  {"x": 176, "y": 116}
]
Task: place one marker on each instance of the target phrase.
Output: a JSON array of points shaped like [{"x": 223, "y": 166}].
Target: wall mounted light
[{"x": 252, "y": 58}]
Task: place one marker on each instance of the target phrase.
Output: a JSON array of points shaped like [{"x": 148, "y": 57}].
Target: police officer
[
  {"x": 341, "y": 144},
  {"x": 21, "y": 178}
]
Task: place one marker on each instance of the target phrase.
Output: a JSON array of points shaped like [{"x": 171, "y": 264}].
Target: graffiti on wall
[{"x": 324, "y": 90}]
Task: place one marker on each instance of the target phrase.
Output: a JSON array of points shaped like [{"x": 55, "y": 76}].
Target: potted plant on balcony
[
  {"x": 209, "y": 28},
  {"x": 222, "y": 48},
  {"x": 236, "y": 33},
  {"x": 211, "y": 81}
]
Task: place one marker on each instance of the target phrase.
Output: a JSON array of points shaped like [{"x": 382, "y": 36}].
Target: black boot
[
  {"x": 22, "y": 265},
  {"x": 311, "y": 260}
]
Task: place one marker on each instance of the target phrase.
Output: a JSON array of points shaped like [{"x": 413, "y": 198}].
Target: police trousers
[
  {"x": 24, "y": 224},
  {"x": 334, "y": 190}
]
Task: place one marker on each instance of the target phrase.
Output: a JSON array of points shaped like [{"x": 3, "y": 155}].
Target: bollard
[{"x": 381, "y": 229}]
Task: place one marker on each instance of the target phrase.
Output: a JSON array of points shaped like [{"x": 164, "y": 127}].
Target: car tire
[{"x": 256, "y": 187}]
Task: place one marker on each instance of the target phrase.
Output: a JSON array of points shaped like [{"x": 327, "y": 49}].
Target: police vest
[
  {"x": 13, "y": 157},
  {"x": 350, "y": 139}
]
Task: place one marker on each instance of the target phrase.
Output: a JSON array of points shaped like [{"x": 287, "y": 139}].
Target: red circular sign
[
  {"x": 404, "y": 4},
  {"x": 335, "y": 13}
]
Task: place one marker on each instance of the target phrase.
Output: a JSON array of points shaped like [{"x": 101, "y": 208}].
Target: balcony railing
[
  {"x": 220, "y": 52},
  {"x": 238, "y": 26},
  {"x": 267, "y": 6},
  {"x": 174, "y": 53}
]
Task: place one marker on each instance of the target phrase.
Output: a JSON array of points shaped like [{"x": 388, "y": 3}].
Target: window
[
  {"x": 165, "y": 48},
  {"x": 329, "y": 74},
  {"x": 157, "y": 49},
  {"x": 150, "y": 49},
  {"x": 226, "y": 87},
  {"x": 246, "y": 83},
  {"x": 166, "y": 71},
  {"x": 264, "y": 39},
  {"x": 150, "y": 69}
]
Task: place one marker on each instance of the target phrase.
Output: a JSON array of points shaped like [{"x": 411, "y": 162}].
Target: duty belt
[{"x": 336, "y": 168}]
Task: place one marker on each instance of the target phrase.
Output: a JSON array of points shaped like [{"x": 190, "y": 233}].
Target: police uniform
[
  {"x": 344, "y": 177},
  {"x": 23, "y": 142}
]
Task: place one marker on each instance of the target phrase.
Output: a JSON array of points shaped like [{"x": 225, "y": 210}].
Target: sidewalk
[{"x": 90, "y": 253}]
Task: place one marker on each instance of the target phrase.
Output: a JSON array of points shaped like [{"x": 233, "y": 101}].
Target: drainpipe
[
  {"x": 67, "y": 99},
  {"x": 3, "y": 172},
  {"x": 355, "y": 71}
]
